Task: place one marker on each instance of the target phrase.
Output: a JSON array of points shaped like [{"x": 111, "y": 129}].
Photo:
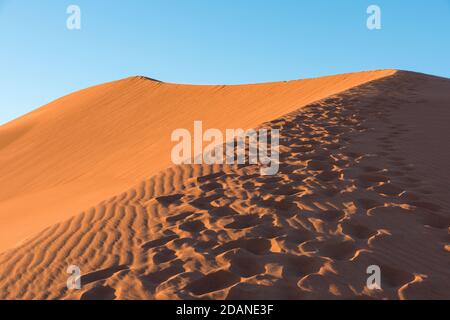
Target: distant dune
[{"x": 87, "y": 180}]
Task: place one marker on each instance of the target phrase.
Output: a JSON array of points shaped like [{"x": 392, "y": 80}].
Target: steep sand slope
[
  {"x": 80, "y": 149},
  {"x": 363, "y": 181}
]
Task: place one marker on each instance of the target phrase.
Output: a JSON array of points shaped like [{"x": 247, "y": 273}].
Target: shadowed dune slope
[
  {"x": 363, "y": 181},
  {"x": 92, "y": 144}
]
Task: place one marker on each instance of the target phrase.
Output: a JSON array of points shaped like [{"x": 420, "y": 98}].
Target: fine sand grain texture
[{"x": 363, "y": 181}]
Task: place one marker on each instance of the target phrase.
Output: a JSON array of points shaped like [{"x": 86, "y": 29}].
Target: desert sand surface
[
  {"x": 87, "y": 180},
  {"x": 88, "y": 146}
]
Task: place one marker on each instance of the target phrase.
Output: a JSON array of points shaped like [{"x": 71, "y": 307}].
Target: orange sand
[
  {"x": 82, "y": 148},
  {"x": 363, "y": 181}
]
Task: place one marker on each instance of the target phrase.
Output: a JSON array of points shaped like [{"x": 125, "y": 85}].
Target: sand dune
[
  {"x": 90, "y": 145},
  {"x": 363, "y": 181}
]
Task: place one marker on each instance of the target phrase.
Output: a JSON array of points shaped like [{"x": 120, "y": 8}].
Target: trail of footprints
[{"x": 225, "y": 232}]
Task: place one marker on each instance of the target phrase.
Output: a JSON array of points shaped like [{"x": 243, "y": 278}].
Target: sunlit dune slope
[
  {"x": 87, "y": 146},
  {"x": 362, "y": 183}
]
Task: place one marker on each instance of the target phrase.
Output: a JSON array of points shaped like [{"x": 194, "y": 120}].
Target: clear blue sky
[{"x": 208, "y": 41}]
